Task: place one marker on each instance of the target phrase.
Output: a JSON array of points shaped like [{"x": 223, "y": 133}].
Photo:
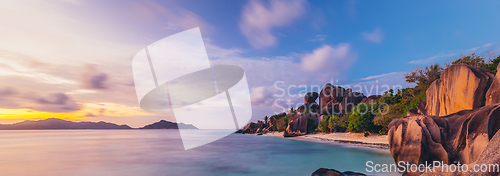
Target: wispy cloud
[
  {"x": 318, "y": 38},
  {"x": 351, "y": 7},
  {"x": 380, "y": 76},
  {"x": 448, "y": 54},
  {"x": 14, "y": 69},
  {"x": 259, "y": 19},
  {"x": 376, "y": 36},
  {"x": 433, "y": 58},
  {"x": 378, "y": 84}
]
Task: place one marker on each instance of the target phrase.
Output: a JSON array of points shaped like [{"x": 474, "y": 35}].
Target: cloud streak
[
  {"x": 449, "y": 54},
  {"x": 318, "y": 38}
]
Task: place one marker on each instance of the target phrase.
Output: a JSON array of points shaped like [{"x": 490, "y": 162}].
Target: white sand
[
  {"x": 358, "y": 137},
  {"x": 355, "y": 139}
]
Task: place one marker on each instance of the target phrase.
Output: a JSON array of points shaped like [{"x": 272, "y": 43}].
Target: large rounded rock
[
  {"x": 301, "y": 124},
  {"x": 459, "y": 137},
  {"x": 333, "y": 172},
  {"x": 308, "y": 107},
  {"x": 327, "y": 172},
  {"x": 490, "y": 155},
  {"x": 460, "y": 87},
  {"x": 350, "y": 100},
  {"x": 296, "y": 127},
  {"x": 493, "y": 94},
  {"x": 335, "y": 94},
  {"x": 310, "y": 97},
  {"x": 371, "y": 99},
  {"x": 406, "y": 136}
]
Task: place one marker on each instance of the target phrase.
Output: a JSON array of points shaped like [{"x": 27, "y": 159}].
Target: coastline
[{"x": 374, "y": 141}]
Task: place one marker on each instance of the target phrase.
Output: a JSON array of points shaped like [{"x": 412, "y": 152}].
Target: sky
[{"x": 71, "y": 59}]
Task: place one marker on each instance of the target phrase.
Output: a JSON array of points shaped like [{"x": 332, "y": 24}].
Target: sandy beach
[{"x": 357, "y": 139}]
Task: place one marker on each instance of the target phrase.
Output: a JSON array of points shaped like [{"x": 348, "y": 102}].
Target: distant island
[
  {"x": 59, "y": 124},
  {"x": 163, "y": 124}
]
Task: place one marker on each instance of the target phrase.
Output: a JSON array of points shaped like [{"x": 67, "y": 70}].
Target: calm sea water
[{"x": 159, "y": 152}]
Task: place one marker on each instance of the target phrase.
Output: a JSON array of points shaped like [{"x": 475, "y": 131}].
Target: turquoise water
[{"x": 159, "y": 152}]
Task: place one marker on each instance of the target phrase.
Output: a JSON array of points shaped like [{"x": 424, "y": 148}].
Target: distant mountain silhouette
[
  {"x": 163, "y": 124},
  {"x": 53, "y": 124}
]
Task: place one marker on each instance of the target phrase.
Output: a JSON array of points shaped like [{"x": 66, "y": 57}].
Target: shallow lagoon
[{"x": 159, "y": 152}]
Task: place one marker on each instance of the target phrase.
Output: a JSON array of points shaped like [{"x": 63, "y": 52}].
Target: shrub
[
  {"x": 382, "y": 132},
  {"x": 361, "y": 118},
  {"x": 478, "y": 61},
  {"x": 323, "y": 125}
]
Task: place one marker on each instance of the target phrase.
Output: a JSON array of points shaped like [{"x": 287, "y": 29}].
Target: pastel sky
[{"x": 71, "y": 59}]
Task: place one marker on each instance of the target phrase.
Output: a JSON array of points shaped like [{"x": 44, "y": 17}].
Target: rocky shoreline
[{"x": 456, "y": 123}]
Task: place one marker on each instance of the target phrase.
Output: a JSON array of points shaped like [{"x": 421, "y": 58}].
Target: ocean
[{"x": 160, "y": 153}]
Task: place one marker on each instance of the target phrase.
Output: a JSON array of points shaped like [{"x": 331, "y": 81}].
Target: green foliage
[
  {"x": 393, "y": 106},
  {"x": 473, "y": 59},
  {"x": 332, "y": 124},
  {"x": 397, "y": 105},
  {"x": 361, "y": 118},
  {"x": 493, "y": 64},
  {"x": 478, "y": 61},
  {"x": 282, "y": 122},
  {"x": 323, "y": 124},
  {"x": 382, "y": 131},
  {"x": 424, "y": 77},
  {"x": 366, "y": 134}
]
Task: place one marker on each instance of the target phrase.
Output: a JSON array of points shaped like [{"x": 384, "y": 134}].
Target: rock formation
[
  {"x": 460, "y": 87},
  {"x": 250, "y": 128},
  {"x": 333, "y": 100},
  {"x": 301, "y": 124},
  {"x": 371, "y": 98},
  {"x": 465, "y": 132},
  {"x": 336, "y": 100},
  {"x": 458, "y": 137},
  {"x": 330, "y": 95},
  {"x": 493, "y": 94},
  {"x": 310, "y": 97},
  {"x": 333, "y": 172},
  {"x": 350, "y": 100},
  {"x": 310, "y": 104},
  {"x": 308, "y": 107}
]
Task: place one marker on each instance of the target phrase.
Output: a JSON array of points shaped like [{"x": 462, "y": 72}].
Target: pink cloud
[
  {"x": 337, "y": 58},
  {"x": 258, "y": 21}
]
